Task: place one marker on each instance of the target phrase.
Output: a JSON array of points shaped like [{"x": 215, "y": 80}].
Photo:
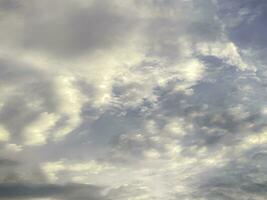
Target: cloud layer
[{"x": 133, "y": 100}]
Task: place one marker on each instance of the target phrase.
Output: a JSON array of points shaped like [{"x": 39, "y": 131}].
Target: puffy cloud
[
  {"x": 33, "y": 104},
  {"x": 226, "y": 51}
]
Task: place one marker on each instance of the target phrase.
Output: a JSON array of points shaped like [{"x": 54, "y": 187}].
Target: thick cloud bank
[{"x": 133, "y": 100}]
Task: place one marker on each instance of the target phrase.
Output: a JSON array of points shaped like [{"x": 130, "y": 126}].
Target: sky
[{"x": 133, "y": 100}]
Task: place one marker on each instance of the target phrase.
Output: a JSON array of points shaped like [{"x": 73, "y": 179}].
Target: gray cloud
[
  {"x": 139, "y": 99},
  {"x": 69, "y": 30},
  {"x": 8, "y": 162},
  {"x": 23, "y": 191},
  {"x": 238, "y": 179}
]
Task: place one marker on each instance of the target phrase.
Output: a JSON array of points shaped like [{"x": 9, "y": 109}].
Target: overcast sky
[{"x": 133, "y": 100}]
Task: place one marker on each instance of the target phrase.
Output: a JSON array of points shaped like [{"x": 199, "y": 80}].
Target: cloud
[
  {"x": 76, "y": 170},
  {"x": 7, "y": 162},
  {"x": 22, "y": 191},
  {"x": 132, "y": 100},
  {"x": 32, "y": 104},
  {"x": 4, "y": 134},
  {"x": 244, "y": 25},
  {"x": 69, "y": 30},
  {"x": 240, "y": 178},
  {"x": 73, "y": 31}
]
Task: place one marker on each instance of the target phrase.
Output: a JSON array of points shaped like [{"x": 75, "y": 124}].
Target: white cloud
[
  {"x": 175, "y": 127},
  {"x": 13, "y": 147},
  {"x": 227, "y": 51},
  {"x": 75, "y": 170},
  {"x": 38, "y": 131},
  {"x": 4, "y": 134}
]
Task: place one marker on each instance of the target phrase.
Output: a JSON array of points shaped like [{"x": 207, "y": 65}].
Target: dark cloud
[
  {"x": 8, "y": 162},
  {"x": 245, "y": 25},
  {"x": 72, "y": 191},
  {"x": 9, "y": 5},
  {"x": 238, "y": 179},
  {"x": 69, "y": 29}
]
